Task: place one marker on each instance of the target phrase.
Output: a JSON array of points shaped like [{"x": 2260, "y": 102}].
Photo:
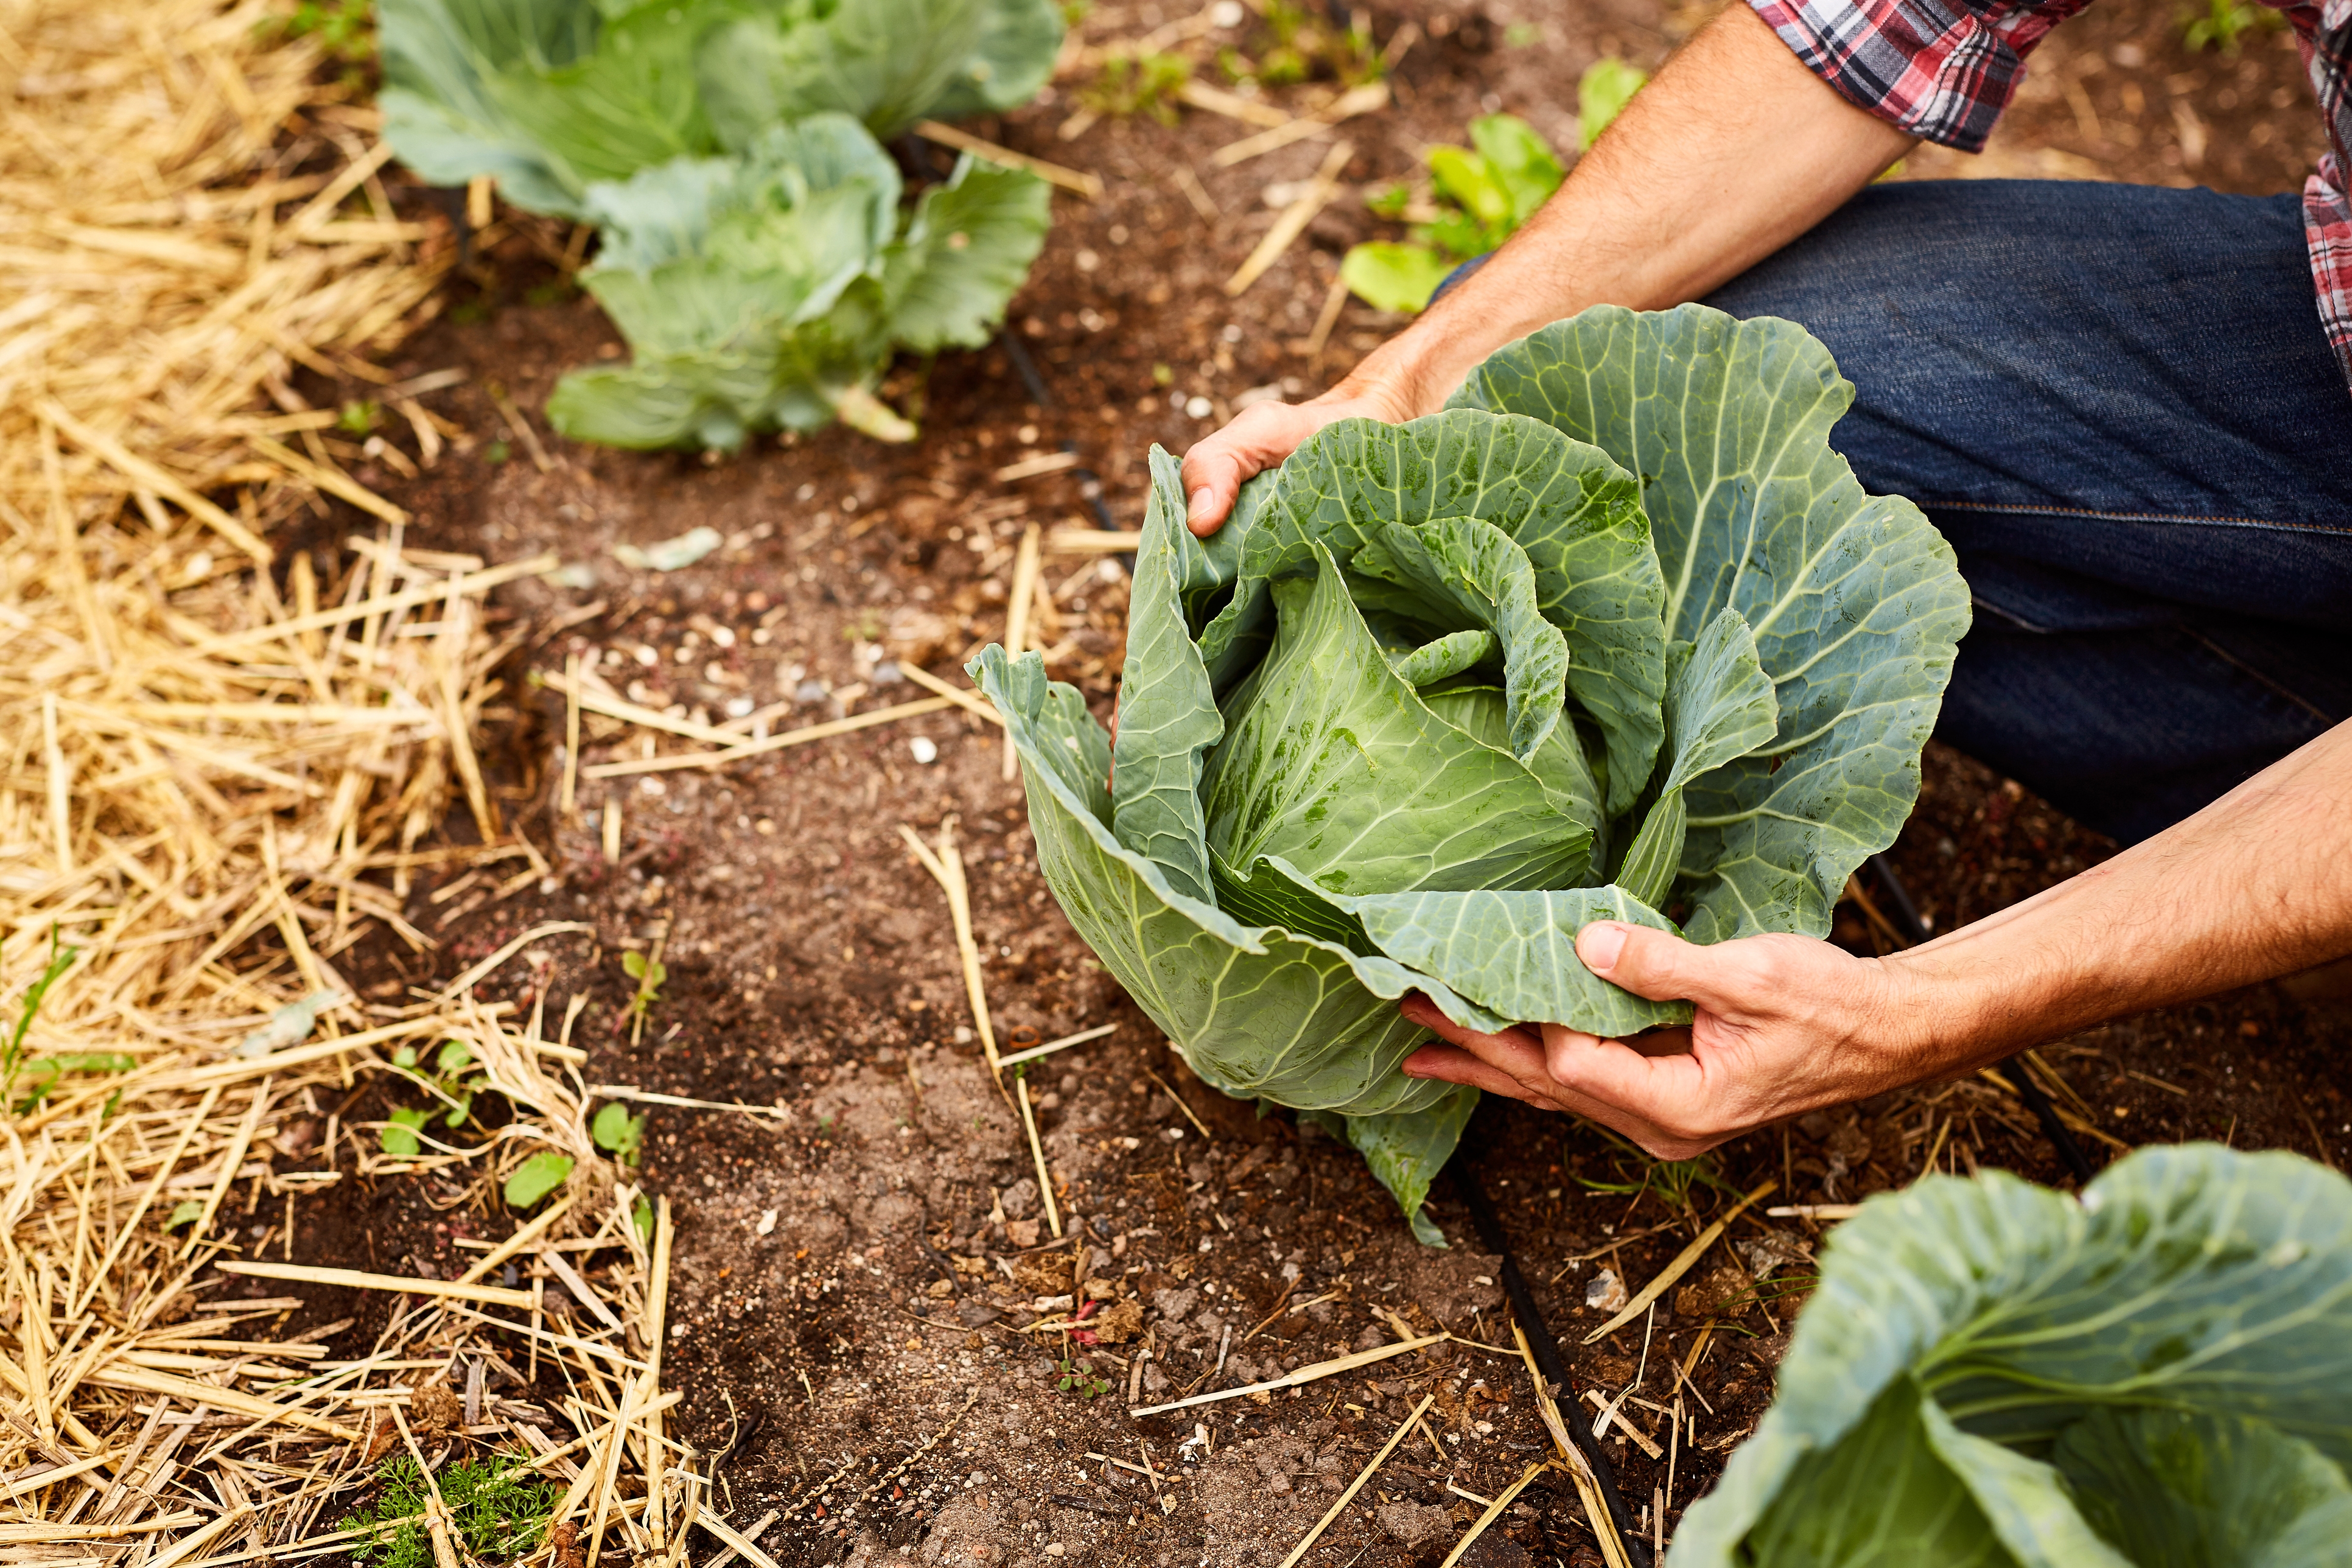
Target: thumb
[{"x": 1662, "y": 966}]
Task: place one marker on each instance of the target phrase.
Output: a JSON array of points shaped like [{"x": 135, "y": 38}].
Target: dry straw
[{"x": 214, "y": 780}]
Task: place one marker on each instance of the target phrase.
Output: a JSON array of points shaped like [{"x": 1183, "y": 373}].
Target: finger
[
  {"x": 1726, "y": 977},
  {"x": 1656, "y": 1100},
  {"x": 1426, "y": 1013},
  {"x": 1452, "y": 1064},
  {"x": 1214, "y": 470}
]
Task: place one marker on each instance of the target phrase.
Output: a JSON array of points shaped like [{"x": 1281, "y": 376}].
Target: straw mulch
[{"x": 221, "y": 770}]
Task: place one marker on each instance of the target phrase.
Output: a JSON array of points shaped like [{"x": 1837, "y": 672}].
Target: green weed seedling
[
  {"x": 498, "y": 1509},
  {"x": 345, "y": 29},
  {"x": 619, "y": 1134},
  {"x": 1079, "y": 1378},
  {"x": 43, "y": 1073},
  {"x": 454, "y": 1080},
  {"x": 648, "y": 971},
  {"x": 536, "y": 1177},
  {"x": 2224, "y": 25},
  {"x": 1131, "y": 85},
  {"x": 1481, "y": 194}
]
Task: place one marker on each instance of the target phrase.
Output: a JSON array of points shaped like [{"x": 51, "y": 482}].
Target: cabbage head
[
  {"x": 1616, "y": 635},
  {"x": 1994, "y": 1374}
]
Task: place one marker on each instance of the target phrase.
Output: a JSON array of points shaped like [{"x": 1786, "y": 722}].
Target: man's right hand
[{"x": 1262, "y": 435}]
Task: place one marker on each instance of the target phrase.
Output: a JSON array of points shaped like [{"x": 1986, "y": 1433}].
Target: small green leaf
[
  {"x": 1602, "y": 93},
  {"x": 1390, "y": 277},
  {"x": 462, "y": 1108},
  {"x": 406, "y": 1057},
  {"x": 399, "y": 1139},
  {"x": 453, "y": 1058},
  {"x": 641, "y": 1215},
  {"x": 185, "y": 1214},
  {"x": 632, "y": 964},
  {"x": 1472, "y": 181},
  {"x": 536, "y": 1177},
  {"x": 617, "y": 1132}
]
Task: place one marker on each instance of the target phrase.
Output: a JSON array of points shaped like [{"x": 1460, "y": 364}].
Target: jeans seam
[{"x": 2029, "y": 508}]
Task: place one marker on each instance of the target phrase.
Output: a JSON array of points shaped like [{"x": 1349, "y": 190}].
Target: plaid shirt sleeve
[{"x": 1941, "y": 69}]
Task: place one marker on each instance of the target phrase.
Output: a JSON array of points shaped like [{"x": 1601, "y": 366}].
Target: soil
[{"x": 852, "y": 1281}]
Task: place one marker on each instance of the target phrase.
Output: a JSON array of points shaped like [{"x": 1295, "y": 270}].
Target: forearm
[
  {"x": 2257, "y": 885},
  {"x": 1733, "y": 151}
]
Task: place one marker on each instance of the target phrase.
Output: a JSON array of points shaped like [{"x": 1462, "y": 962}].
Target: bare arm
[
  {"x": 1735, "y": 150},
  {"x": 2258, "y": 884}
]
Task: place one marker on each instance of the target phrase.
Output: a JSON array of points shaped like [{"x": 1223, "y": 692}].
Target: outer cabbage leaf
[
  {"x": 2191, "y": 1280},
  {"x": 967, "y": 249},
  {"x": 1515, "y": 954},
  {"x": 1259, "y": 1013},
  {"x": 546, "y": 95},
  {"x": 1854, "y": 600},
  {"x": 886, "y": 62},
  {"x": 2178, "y": 1489}
]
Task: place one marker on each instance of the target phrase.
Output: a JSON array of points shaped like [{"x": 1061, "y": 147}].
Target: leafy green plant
[
  {"x": 770, "y": 289},
  {"x": 2224, "y": 25},
  {"x": 1615, "y": 635},
  {"x": 649, "y": 972},
  {"x": 359, "y": 417},
  {"x": 453, "y": 1078},
  {"x": 553, "y": 96},
  {"x": 1672, "y": 1180},
  {"x": 345, "y": 29},
  {"x": 618, "y": 1134},
  {"x": 1486, "y": 192},
  {"x": 498, "y": 1509},
  {"x": 1993, "y": 1374},
  {"x": 45, "y": 1072},
  {"x": 1079, "y": 1379},
  {"x": 536, "y": 1177},
  {"x": 1146, "y": 84}
]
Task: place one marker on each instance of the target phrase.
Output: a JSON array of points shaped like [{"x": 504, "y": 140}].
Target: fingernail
[
  {"x": 1598, "y": 944},
  {"x": 1199, "y": 505}
]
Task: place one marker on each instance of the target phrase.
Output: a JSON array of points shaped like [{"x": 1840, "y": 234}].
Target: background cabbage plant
[
  {"x": 1616, "y": 635},
  {"x": 770, "y": 289},
  {"x": 1994, "y": 1374},
  {"x": 553, "y": 96}
]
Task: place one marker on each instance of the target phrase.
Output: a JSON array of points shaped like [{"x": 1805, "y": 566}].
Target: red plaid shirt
[{"x": 1944, "y": 70}]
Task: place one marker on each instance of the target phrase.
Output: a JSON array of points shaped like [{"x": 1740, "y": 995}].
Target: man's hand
[
  {"x": 1785, "y": 1024},
  {"x": 1263, "y": 435}
]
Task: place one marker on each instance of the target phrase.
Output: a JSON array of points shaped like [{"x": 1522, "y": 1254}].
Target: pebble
[
  {"x": 809, "y": 691},
  {"x": 1198, "y": 407},
  {"x": 887, "y": 673},
  {"x": 926, "y": 750}
]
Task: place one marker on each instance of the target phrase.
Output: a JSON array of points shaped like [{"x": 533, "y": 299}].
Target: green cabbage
[
  {"x": 1616, "y": 633},
  {"x": 765, "y": 290},
  {"x": 553, "y": 96},
  {"x": 1997, "y": 1375}
]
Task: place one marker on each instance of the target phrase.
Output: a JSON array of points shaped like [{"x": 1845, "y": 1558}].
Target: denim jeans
[{"x": 2116, "y": 403}]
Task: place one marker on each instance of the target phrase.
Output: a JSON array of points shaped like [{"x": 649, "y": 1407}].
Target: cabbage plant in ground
[
  {"x": 1998, "y": 1375},
  {"x": 552, "y": 95},
  {"x": 1617, "y": 635},
  {"x": 770, "y": 289},
  {"x": 753, "y": 252}
]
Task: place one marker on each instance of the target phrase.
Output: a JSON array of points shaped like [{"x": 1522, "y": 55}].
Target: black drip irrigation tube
[
  {"x": 1904, "y": 915},
  {"x": 1089, "y": 483},
  {"x": 1489, "y": 1227}
]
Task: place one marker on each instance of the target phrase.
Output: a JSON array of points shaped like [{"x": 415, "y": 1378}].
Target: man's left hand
[{"x": 1785, "y": 1025}]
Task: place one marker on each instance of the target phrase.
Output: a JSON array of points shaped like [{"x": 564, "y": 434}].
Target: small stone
[
  {"x": 926, "y": 750},
  {"x": 767, "y": 1224},
  {"x": 1606, "y": 1292},
  {"x": 1198, "y": 407},
  {"x": 810, "y": 690},
  {"x": 887, "y": 673}
]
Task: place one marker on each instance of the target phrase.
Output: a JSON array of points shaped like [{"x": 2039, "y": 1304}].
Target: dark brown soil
[{"x": 849, "y": 1286}]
